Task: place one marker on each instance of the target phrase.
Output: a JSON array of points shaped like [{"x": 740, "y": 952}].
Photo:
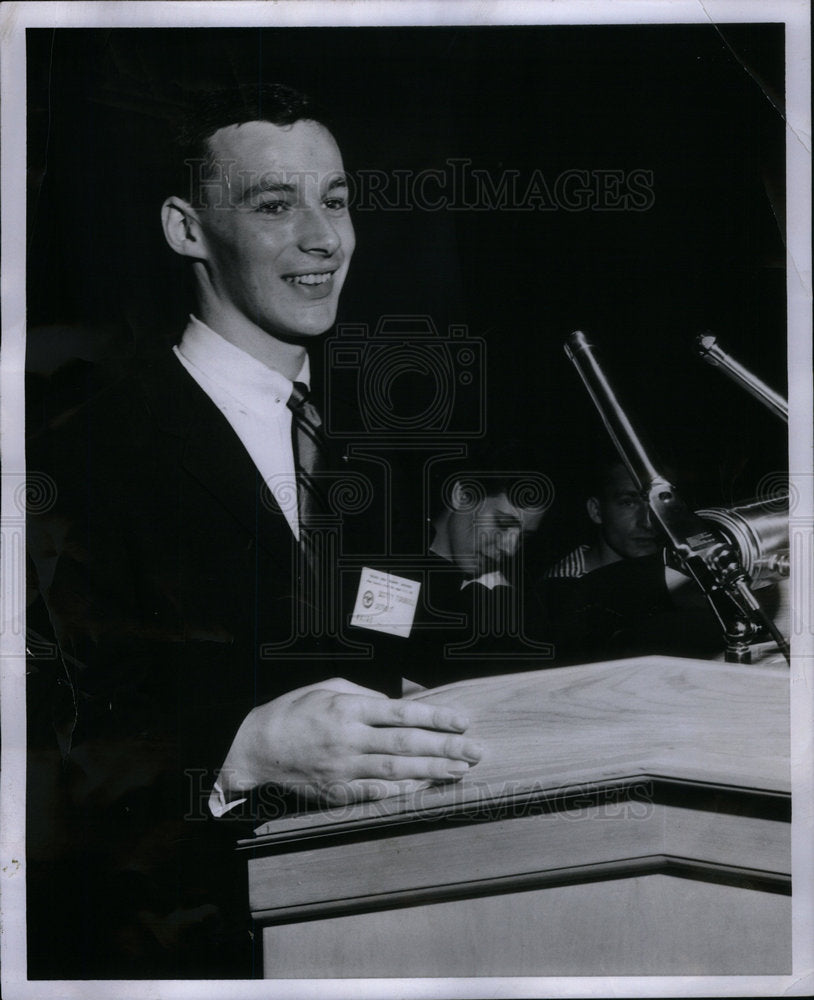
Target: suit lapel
[{"x": 214, "y": 455}]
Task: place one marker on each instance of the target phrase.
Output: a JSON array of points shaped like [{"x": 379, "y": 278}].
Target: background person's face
[
  {"x": 624, "y": 517},
  {"x": 488, "y": 538},
  {"x": 278, "y": 233}
]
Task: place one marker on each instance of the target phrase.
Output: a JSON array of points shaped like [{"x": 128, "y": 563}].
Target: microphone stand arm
[
  {"x": 712, "y": 562},
  {"x": 711, "y": 351}
]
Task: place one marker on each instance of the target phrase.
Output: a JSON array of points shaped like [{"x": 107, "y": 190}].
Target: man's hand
[{"x": 338, "y": 742}]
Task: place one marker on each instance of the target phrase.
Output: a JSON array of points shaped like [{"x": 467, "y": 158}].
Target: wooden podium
[{"x": 628, "y": 818}]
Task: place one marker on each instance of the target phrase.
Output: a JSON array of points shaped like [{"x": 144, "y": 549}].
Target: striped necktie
[{"x": 309, "y": 454}]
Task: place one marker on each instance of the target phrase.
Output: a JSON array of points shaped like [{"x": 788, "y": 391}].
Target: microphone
[
  {"x": 631, "y": 448},
  {"x": 706, "y": 553},
  {"x": 711, "y": 351}
]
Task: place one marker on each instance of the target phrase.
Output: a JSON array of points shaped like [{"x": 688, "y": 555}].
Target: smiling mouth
[{"x": 309, "y": 279}]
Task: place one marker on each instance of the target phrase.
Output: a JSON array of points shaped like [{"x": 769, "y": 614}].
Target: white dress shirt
[{"x": 253, "y": 398}]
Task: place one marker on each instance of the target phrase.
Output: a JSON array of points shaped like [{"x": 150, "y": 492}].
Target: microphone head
[
  {"x": 576, "y": 343},
  {"x": 706, "y": 345}
]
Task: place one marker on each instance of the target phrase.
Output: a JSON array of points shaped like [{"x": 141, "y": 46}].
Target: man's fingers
[
  {"x": 421, "y": 768},
  {"x": 340, "y": 685},
  {"x": 420, "y": 743},
  {"x": 364, "y": 789},
  {"x": 414, "y": 715}
]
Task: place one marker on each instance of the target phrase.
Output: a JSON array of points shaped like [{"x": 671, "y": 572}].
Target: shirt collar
[
  {"x": 235, "y": 371},
  {"x": 489, "y": 580}
]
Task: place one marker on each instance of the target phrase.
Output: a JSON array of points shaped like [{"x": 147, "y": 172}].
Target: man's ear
[
  {"x": 594, "y": 510},
  {"x": 182, "y": 228}
]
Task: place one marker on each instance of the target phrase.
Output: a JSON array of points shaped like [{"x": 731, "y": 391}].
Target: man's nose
[
  {"x": 317, "y": 233},
  {"x": 645, "y": 518},
  {"x": 509, "y": 541}
]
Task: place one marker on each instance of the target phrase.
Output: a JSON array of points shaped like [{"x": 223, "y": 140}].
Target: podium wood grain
[{"x": 627, "y": 818}]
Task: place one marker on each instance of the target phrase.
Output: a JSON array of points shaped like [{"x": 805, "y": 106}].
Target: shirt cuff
[{"x": 218, "y": 804}]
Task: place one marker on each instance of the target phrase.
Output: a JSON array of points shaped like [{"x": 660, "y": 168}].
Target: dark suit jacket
[
  {"x": 624, "y": 609},
  {"x": 167, "y": 577},
  {"x": 471, "y": 632}
]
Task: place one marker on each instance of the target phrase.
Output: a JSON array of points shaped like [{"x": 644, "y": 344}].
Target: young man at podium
[{"x": 184, "y": 573}]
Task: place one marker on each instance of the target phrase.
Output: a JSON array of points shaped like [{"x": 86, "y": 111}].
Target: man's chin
[
  {"x": 305, "y": 333},
  {"x": 304, "y": 322},
  {"x": 643, "y": 550}
]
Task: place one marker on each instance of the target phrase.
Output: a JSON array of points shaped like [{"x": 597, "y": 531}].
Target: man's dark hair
[
  {"x": 602, "y": 474},
  {"x": 208, "y": 111},
  {"x": 496, "y": 466}
]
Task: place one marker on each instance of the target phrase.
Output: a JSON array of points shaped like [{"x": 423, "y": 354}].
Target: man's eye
[
  {"x": 506, "y": 524},
  {"x": 272, "y": 207}
]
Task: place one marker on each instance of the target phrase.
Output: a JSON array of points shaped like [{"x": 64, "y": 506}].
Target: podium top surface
[{"x": 698, "y": 723}]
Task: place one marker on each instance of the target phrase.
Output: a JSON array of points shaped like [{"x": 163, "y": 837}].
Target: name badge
[{"x": 385, "y": 603}]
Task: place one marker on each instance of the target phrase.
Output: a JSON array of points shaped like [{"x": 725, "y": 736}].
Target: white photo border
[{"x": 16, "y": 17}]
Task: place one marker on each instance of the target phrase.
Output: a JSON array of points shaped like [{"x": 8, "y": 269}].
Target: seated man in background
[
  {"x": 623, "y": 522},
  {"x": 615, "y": 596},
  {"x": 471, "y": 618}
]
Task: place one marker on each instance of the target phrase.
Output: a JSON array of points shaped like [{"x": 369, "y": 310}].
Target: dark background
[{"x": 700, "y": 106}]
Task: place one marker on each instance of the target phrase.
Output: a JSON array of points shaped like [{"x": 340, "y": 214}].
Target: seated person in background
[
  {"x": 470, "y": 619},
  {"x": 624, "y": 526},
  {"x": 611, "y": 598}
]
